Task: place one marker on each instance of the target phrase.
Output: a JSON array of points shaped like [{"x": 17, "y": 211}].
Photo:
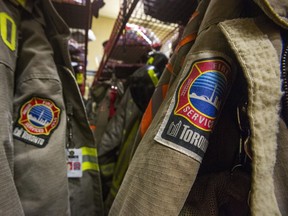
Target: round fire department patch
[{"x": 39, "y": 116}]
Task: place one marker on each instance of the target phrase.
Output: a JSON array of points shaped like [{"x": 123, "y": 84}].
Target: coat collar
[{"x": 276, "y": 10}]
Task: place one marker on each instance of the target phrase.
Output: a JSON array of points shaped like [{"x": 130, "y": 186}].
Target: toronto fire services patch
[
  {"x": 38, "y": 118},
  {"x": 194, "y": 107}
]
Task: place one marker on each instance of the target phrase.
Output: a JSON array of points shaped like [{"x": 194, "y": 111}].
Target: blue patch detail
[
  {"x": 40, "y": 116},
  {"x": 206, "y": 92}
]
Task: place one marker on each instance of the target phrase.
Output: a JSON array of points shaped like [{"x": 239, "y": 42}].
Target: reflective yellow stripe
[
  {"x": 123, "y": 158},
  {"x": 153, "y": 76},
  {"x": 8, "y": 37},
  {"x": 90, "y": 166},
  {"x": 89, "y": 151},
  {"x": 107, "y": 169},
  {"x": 150, "y": 60},
  {"x": 113, "y": 191},
  {"x": 22, "y": 2},
  {"x": 80, "y": 78}
]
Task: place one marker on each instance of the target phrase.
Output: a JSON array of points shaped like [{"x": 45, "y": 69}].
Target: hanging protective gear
[
  {"x": 50, "y": 120},
  {"x": 117, "y": 142},
  {"x": 10, "y": 19},
  {"x": 195, "y": 157}
]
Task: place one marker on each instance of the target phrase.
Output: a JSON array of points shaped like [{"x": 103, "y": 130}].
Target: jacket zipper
[{"x": 284, "y": 68}]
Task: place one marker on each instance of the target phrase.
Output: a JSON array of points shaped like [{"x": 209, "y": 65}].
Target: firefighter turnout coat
[
  {"x": 217, "y": 144},
  {"x": 50, "y": 128}
]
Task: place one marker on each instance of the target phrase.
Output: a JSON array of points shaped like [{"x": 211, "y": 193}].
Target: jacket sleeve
[
  {"x": 109, "y": 144},
  {"x": 9, "y": 199},
  {"x": 112, "y": 137},
  {"x": 160, "y": 175}
]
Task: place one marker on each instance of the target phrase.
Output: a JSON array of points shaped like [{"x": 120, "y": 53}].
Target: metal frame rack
[
  {"x": 132, "y": 11},
  {"x": 80, "y": 22}
]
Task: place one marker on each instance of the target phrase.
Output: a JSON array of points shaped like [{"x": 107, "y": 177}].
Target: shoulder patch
[
  {"x": 194, "y": 107},
  {"x": 38, "y": 118}
]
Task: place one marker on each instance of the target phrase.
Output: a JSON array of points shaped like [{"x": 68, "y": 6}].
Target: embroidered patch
[
  {"x": 38, "y": 118},
  {"x": 194, "y": 108}
]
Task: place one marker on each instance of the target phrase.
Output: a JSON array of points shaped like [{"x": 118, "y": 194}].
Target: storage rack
[
  {"x": 80, "y": 22},
  {"x": 132, "y": 11}
]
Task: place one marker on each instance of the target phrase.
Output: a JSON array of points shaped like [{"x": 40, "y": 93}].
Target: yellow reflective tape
[
  {"x": 89, "y": 151},
  {"x": 107, "y": 169},
  {"x": 22, "y": 2},
  {"x": 153, "y": 76},
  {"x": 123, "y": 158},
  {"x": 113, "y": 191},
  {"x": 6, "y": 22},
  {"x": 90, "y": 166},
  {"x": 150, "y": 61},
  {"x": 80, "y": 78}
]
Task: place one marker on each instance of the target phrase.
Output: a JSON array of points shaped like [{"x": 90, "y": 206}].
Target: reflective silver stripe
[{"x": 90, "y": 161}]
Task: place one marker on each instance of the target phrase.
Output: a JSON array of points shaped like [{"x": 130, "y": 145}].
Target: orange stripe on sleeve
[
  {"x": 195, "y": 14},
  {"x": 164, "y": 90},
  {"x": 169, "y": 67},
  {"x": 185, "y": 40},
  {"x": 146, "y": 119}
]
